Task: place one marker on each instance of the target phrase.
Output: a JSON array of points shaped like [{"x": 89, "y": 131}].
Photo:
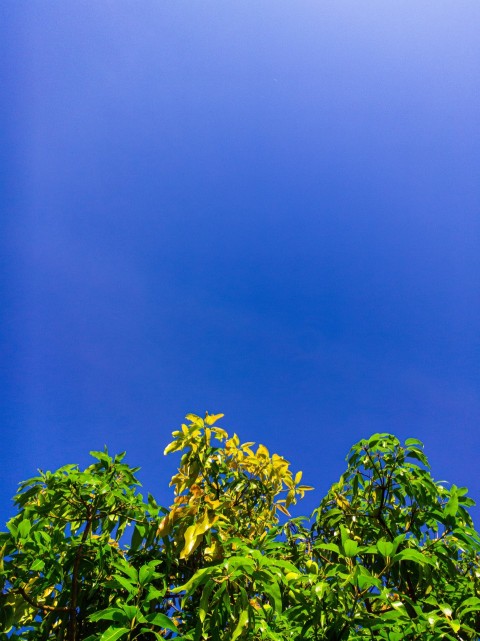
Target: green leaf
[
  {"x": 320, "y": 589},
  {"x": 112, "y": 634},
  {"x": 273, "y": 591},
  {"x": 413, "y": 555},
  {"x": 413, "y": 441},
  {"x": 239, "y": 561},
  {"x": 24, "y": 528},
  {"x": 470, "y": 605},
  {"x": 195, "y": 581},
  {"x": 101, "y": 456},
  {"x": 162, "y": 621},
  {"x": 455, "y": 625},
  {"x": 242, "y": 621},
  {"x": 127, "y": 569},
  {"x": 157, "y": 635},
  {"x": 12, "y": 527},
  {"x": 132, "y": 612},
  {"x": 328, "y": 546},
  {"x": 451, "y": 507},
  {"x": 365, "y": 581},
  {"x": 154, "y": 593},
  {"x": 37, "y": 565},
  {"x": 202, "y": 610},
  {"x": 350, "y": 547},
  {"x": 109, "y": 614},
  {"x": 132, "y": 589},
  {"x": 145, "y": 574},
  {"x": 385, "y": 548},
  {"x": 137, "y": 536}
]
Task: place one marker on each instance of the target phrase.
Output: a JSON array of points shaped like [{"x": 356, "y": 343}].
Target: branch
[
  {"x": 72, "y": 627},
  {"x": 38, "y": 606}
]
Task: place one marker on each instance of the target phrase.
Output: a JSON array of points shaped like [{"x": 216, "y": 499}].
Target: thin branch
[
  {"x": 38, "y": 606},
  {"x": 72, "y": 627}
]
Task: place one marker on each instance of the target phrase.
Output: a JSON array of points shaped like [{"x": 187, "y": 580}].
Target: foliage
[{"x": 389, "y": 553}]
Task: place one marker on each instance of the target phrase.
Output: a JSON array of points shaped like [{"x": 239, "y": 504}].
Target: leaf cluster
[{"x": 389, "y": 553}]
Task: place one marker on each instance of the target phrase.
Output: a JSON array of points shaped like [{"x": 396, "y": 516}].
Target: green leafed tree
[{"x": 389, "y": 554}]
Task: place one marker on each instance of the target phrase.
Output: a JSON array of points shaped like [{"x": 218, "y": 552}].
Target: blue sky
[{"x": 267, "y": 209}]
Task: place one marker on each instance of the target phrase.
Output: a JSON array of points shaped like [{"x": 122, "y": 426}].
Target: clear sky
[{"x": 269, "y": 209}]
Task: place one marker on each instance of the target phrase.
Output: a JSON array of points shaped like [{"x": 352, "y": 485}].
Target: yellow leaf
[
  {"x": 210, "y": 419},
  {"x": 214, "y": 552},
  {"x": 196, "y": 420},
  {"x": 209, "y": 518},
  {"x": 219, "y": 433},
  {"x": 194, "y": 533},
  {"x": 208, "y": 435},
  {"x": 263, "y": 452},
  {"x": 2, "y": 555},
  {"x": 192, "y": 541},
  {"x": 342, "y": 502},
  {"x": 181, "y": 486},
  {"x": 312, "y": 567},
  {"x": 298, "y": 477},
  {"x": 165, "y": 526},
  {"x": 305, "y": 488},
  {"x": 283, "y": 509},
  {"x": 174, "y": 445},
  {"x": 214, "y": 503},
  {"x": 279, "y": 463},
  {"x": 230, "y": 444},
  {"x": 290, "y": 498},
  {"x": 196, "y": 490}
]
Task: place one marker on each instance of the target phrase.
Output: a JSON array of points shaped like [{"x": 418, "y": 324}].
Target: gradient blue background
[{"x": 268, "y": 209}]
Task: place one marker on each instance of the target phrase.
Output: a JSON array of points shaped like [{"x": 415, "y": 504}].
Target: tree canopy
[{"x": 388, "y": 554}]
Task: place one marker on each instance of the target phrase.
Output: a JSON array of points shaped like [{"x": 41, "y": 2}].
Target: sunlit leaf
[
  {"x": 210, "y": 419},
  {"x": 112, "y": 634},
  {"x": 242, "y": 622},
  {"x": 162, "y": 621}
]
